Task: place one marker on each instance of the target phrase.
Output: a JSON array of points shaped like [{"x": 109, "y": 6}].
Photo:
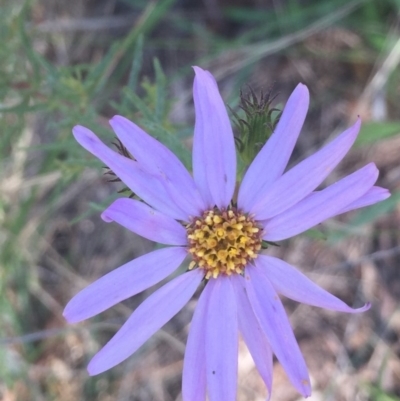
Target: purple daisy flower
[{"x": 197, "y": 217}]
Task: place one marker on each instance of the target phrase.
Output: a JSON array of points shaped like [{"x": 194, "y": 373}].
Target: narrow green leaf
[
  {"x": 133, "y": 75},
  {"x": 374, "y": 131},
  {"x": 98, "y": 75},
  {"x": 160, "y": 90},
  {"x": 153, "y": 13},
  {"x": 136, "y": 64},
  {"x": 316, "y": 234}
]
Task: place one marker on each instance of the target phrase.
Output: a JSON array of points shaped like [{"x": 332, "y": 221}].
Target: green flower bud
[{"x": 256, "y": 126}]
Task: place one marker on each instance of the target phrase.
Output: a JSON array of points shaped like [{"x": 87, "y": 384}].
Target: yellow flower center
[{"x": 223, "y": 242}]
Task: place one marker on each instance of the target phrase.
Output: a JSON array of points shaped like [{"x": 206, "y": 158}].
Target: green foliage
[
  {"x": 378, "y": 394},
  {"x": 375, "y": 131},
  {"x": 61, "y": 97}
]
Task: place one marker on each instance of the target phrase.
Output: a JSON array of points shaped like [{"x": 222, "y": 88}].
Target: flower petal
[
  {"x": 214, "y": 155},
  {"x": 298, "y": 182},
  {"x": 372, "y": 196},
  {"x": 149, "y": 317},
  {"x": 194, "y": 383},
  {"x": 147, "y": 186},
  {"x": 275, "y": 324},
  {"x": 158, "y": 159},
  {"x": 145, "y": 221},
  {"x": 222, "y": 341},
  {"x": 288, "y": 281},
  {"x": 321, "y": 205},
  {"x": 124, "y": 282},
  {"x": 253, "y": 336},
  {"x": 272, "y": 159}
]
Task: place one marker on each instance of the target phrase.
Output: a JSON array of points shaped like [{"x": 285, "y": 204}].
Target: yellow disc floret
[{"x": 223, "y": 242}]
